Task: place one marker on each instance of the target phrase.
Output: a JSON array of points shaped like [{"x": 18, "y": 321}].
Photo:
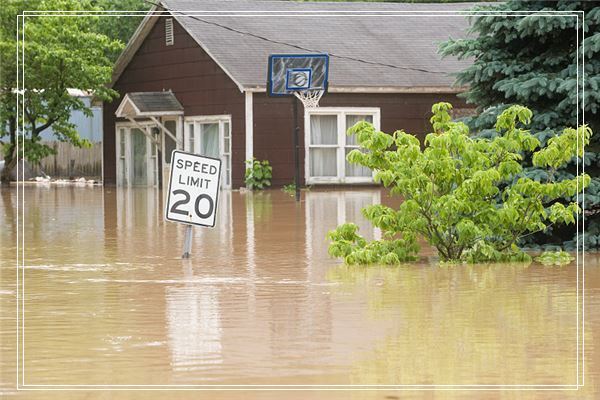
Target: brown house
[{"x": 194, "y": 75}]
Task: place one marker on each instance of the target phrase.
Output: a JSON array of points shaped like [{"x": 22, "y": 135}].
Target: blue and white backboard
[{"x": 289, "y": 73}]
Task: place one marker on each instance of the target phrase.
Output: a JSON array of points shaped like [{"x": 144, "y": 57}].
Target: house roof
[
  {"x": 373, "y": 47},
  {"x": 149, "y": 104}
]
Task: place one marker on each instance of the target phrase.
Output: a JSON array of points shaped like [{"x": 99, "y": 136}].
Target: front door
[{"x": 137, "y": 157}]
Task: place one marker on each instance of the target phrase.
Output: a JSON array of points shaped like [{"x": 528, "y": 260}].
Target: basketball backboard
[{"x": 290, "y": 73}]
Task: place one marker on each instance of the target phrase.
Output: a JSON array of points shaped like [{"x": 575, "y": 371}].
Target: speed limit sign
[{"x": 193, "y": 189}]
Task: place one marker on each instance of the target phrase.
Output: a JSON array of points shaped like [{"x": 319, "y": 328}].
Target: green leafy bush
[
  {"x": 466, "y": 196},
  {"x": 258, "y": 174},
  {"x": 555, "y": 258}
]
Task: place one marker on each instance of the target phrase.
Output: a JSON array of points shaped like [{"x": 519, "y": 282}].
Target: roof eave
[{"x": 380, "y": 90}]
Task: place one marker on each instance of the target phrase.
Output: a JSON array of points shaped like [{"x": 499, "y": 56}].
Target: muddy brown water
[{"x": 110, "y": 310}]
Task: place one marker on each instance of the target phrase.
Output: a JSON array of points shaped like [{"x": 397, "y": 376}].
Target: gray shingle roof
[
  {"x": 148, "y": 102},
  {"x": 397, "y": 51}
]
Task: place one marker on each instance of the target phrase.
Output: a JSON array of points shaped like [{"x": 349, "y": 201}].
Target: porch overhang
[
  {"x": 153, "y": 106},
  {"x": 149, "y": 104}
]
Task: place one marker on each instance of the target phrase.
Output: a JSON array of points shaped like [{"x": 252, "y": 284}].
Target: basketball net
[{"x": 309, "y": 98}]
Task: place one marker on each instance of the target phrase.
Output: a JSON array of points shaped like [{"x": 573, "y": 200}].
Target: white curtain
[
  {"x": 323, "y": 161},
  {"x": 323, "y": 131},
  {"x": 351, "y": 120},
  {"x": 354, "y": 169},
  {"x": 209, "y": 144}
]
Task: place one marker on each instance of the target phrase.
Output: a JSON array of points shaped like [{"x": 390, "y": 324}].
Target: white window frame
[
  {"x": 152, "y": 180},
  {"x": 223, "y": 149},
  {"x": 341, "y": 113}
]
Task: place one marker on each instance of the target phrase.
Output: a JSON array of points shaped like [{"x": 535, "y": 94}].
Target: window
[
  {"x": 328, "y": 145},
  {"x": 169, "y": 36},
  {"x": 211, "y": 136}
]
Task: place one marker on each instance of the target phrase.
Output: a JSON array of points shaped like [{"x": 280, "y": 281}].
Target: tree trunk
[{"x": 10, "y": 162}]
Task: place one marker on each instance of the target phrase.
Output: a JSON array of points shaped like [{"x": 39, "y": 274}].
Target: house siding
[
  {"x": 203, "y": 88},
  {"x": 199, "y": 84},
  {"x": 273, "y": 124}
]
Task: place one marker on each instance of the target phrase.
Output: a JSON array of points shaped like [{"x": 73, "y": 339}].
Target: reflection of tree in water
[
  {"x": 473, "y": 324},
  {"x": 263, "y": 205}
]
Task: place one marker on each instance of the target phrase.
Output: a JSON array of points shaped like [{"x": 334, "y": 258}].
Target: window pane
[
  {"x": 191, "y": 138},
  {"x": 209, "y": 143},
  {"x": 122, "y": 143},
  {"x": 323, "y": 162},
  {"x": 355, "y": 169},
  {"x": 323, "y": 129},
  {"x": 351, "y": 120},
  {"x": 226, "y": 132}
]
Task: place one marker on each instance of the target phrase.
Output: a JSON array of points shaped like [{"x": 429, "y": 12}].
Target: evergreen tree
[{"x": 533, "y": 60}]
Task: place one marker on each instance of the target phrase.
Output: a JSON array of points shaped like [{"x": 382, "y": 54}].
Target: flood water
[{"x": 110, "y": 308}]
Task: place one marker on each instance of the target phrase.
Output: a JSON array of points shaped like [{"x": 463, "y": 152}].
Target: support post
[
  {"x": 296, "y": 159},
  {"x": 187, "y": 243}
]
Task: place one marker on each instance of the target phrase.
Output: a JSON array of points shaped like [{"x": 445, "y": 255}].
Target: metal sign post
[
  {"x": 187, "y": 243},
  {"x": 193, "y": 192},
  {"x": 296, "y": 159}
]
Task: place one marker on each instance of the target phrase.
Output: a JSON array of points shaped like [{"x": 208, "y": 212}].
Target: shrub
[
  {"x": 466, "y": 196},
  {"x": 258, "y": 174}
]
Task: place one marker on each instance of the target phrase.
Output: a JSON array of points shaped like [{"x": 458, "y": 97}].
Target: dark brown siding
[
  {"x": 199, "y": 84},
  {"x": 203, "y": 88},
  {"x": 273, "y": 122}
]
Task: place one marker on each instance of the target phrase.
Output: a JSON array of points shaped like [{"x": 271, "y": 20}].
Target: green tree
[
  {"x": 532, "y": 60},
  {"x": 120, "y": 27},
  {"x": 59, "y": 52},
  {"x": 464, "y": 195}
]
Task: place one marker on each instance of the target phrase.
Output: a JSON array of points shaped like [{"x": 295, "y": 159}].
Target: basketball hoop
[
  {"x": 301, "y": 75},
  {"x": 309, "y": 98}
]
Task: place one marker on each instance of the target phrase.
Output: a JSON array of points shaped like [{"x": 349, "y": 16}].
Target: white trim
[
  {"x": 158, "y": 113},
  {"x": 383, "y": 89},
  {"x": 341, "y": 113},
  {"x": 209, "y": 118},
  {"x": 126, "y": 100},
  {"x": 379, "y": 89},
  {"x": 249, "y": 112}
]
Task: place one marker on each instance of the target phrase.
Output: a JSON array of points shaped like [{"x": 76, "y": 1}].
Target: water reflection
[
  {"x": 110, "y": 301},
  {"x": 511, "y": 330},
  {"x": 194, "y": 321}
]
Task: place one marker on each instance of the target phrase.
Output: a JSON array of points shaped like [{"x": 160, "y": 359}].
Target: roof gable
[{"x": 377, "y": 52}]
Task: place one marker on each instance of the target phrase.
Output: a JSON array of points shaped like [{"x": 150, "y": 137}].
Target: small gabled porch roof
[{"x": 149, "y": 104}]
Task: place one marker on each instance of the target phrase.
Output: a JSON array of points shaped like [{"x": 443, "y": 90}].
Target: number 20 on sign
[{"x": 193, "y": 189}]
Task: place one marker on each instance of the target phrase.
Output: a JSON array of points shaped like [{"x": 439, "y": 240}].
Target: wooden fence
[{"x": 71, "y": 162}]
